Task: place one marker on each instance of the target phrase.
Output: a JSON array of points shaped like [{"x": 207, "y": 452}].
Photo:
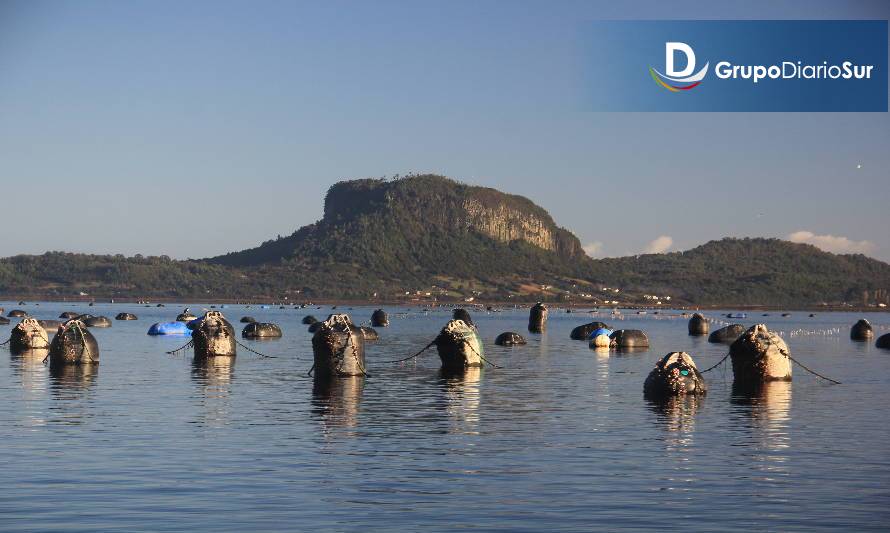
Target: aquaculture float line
[
  {"x": 425, "y": 348},
  {"x": 254, "y": 351}
]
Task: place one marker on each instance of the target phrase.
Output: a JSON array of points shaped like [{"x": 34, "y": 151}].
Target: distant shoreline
[{"x": 579, "y": 307}]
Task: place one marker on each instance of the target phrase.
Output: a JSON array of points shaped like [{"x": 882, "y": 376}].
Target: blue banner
[{"x": 757, "y": 65}]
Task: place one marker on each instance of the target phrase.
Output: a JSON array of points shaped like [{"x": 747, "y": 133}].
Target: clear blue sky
[{"x": 197, "y": 128}]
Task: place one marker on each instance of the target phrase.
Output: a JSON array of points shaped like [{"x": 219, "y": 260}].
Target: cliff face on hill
[
  {"x": 380, "y": 212},
  {"x": 430, "y": 234}
]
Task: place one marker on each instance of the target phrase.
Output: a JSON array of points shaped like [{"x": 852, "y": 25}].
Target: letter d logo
[
  {"x": 670, "y": 49},
  {"x": 684, "y": 76}
]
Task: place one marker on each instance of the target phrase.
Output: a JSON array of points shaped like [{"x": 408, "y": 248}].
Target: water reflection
[
  {"x": 70, "y": 388},
  {"x": 213, "y": 372},
  {"x": 676, "y": 416},
  {"x": 630, "y": 350},
  {"x": 462, "y": 399},
  {"x": 29, "y": 367},
  {"x": 214, "y": 377},
  {"x": 336, "y": 401},
  {"x": 72, "y": 381},
  {"x": 767, "y": 406}
]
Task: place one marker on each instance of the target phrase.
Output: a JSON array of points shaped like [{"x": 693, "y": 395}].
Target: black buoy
[
  {"x": 629, "y": 338},
  {"x": 97, "y": 322},
  {"x": 537, "y": 318},
  {"x": 462, "y": 314},
  {"x": 247, "y": 319},
  {"x": 126, "y": 316},
  {"x": 674, "y": 374},
  {"x": 862, "y": 331},
  {"x": 459, "y": 346},
  {"x": 213, "y": 336},
  {"x": 261, "y": 330},
  {"x": 698, "y": 325},
  {"x": 369, "y": 334},
  {"x": 309, "y": 319},
  {"x": 379, "y": 319},
  {"x": 338, "y": 348},
  {"x": 509, "y": 338},
  {"x": 727, "y": 334},
  {"x": 185, "y": 316},
  {"x": 884, "y": 341},
  {"x": 73, "y": 344},
  {"x": 582, "y": 332},
  {"x": 50, "y": 325}
]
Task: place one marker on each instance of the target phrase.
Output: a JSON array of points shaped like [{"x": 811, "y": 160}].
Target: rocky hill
[{"x": 432, "y": 237}]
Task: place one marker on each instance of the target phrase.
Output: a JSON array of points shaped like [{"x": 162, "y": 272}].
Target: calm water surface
[{"x": 560, "y": 438}]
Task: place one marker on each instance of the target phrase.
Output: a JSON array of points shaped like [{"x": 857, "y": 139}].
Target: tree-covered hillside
[{"x": 431, "y": 236}]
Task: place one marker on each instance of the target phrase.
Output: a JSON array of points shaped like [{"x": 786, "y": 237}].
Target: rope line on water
[
  {"x": 814, "y": 372},
  {"x": 254, "y": 351},
  {"x": 5, "y": 343},
  {"x": 189, "y": 344},
  {"x": 480, "y": 355},
  {"x": 412, "y": 356},
  {"x": 718, "y": 364},
  {"x": 358, "y": 361},
  {"x": 84, "y": 341},
  {"x": 310, "y": 370}
]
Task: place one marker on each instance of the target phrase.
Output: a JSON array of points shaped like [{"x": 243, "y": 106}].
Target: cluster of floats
[{"x": 756, "y": 353}]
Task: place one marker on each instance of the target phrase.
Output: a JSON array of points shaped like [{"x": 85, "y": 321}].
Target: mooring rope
[
  {"x": 189, "y": 344},
  {"x": 84, "y": 341},
  {"x": 718, "y": 364},
  {"x": 789, "y": 357},
  {"x": 814, "y": 372},
  {"x": 310, "y": 370},
  {"x": 5, "y": 343},
  {"x": 355, "y": 356},
  {"x": 254, "y": 351},
  {"x": 425, "y": 348},
  {"x": 480, "y": 355}
]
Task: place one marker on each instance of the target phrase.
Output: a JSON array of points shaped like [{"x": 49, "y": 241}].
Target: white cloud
[
  {"x": 832, "y": 243},
  {"x": 659, "y": 245},
  {"x": 593, "y": 249}
]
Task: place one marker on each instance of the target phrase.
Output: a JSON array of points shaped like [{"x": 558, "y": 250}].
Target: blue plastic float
[
  {"x": 597, "y": 332},
  {"x": 169, "y": 328}
]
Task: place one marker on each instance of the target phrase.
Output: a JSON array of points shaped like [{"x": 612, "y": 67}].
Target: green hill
[{"x": 431, "y": 235}]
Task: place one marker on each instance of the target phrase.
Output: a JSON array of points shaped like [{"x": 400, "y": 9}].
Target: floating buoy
[
  {"x": 582, "y": 332},
  {"x": 760, "y": 355},
  {"x": 674, "y": 374},
  {"x": 862, "y": 331},
  {"x": 338, "y": 348},
  {"x": 629, "y": 338},
  {"x": 509, "y": 338},
  {"x": 73, "y": 344},
  {"x": 459, "y": 346},
  {"x": 28, "y": 335},
  {"x": 261, "y": 330},
  {"x": 727, "y": 334},
  {"x": 169, "y": 328},
  {"x": 379, "y": 319},
  {"x": 698, "y": 325},
  {"x": 213, "y": 336},
  {"x": 537, "y": 318}
]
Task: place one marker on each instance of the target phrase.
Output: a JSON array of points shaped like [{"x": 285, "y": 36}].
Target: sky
[{"x": 196, "y": 128}]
